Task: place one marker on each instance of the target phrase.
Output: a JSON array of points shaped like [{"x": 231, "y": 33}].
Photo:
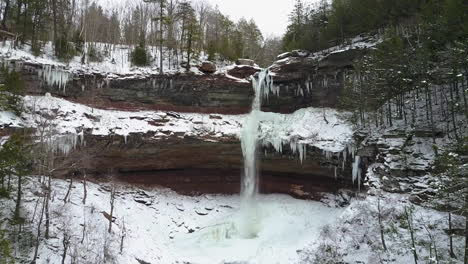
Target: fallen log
[{"x": 9, "y": 34}]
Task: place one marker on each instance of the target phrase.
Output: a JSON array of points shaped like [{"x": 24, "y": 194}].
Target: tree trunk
[
  {"x": 18, "y": 199},
  {"x": 112, "y": 201},
  {"x": 36, "y": 250},
  {"x": 85, "y": 191},
  {"x": 431, "y": 114},
  {"x": 65, "y": 200},
  {"x": 413, "y": 244},
  {"x": 466, "y": 239},
  {"x": 382, "y": 237},
  {"x": 452, "y": 254},
  {"x": 47, "y": 222},
  {"x": 54, "y": 21},
  {"x": 5, "y": 14},
  {"x": 66, "y": 243},
  {"x": 452, "y": 113},
  {"x": 161, "y": 14},
  {"x": 189, "y": 48}
]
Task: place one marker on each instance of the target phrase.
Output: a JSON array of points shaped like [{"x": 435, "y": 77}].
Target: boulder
[
  {"x": 243, "y": 72},
  {"x": 208, "y": 67},
  {"x": 247, "y": 62},
  {"x": 300, "y": 53}
]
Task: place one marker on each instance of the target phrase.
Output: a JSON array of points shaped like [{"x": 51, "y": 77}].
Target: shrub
[
  {"x": 139, "y": 56},
  {"x": 94, "y": 55},
  {"x": 11, "y": 91},
  {"x": 63, "y": 49},
  {"x": 78, "y": 42},
  {"x": 6, "y": 256},
  {"x": 4, "y": 193}
]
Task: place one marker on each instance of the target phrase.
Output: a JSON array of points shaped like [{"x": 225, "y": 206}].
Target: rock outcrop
[
  {"x": 300, "y": 81},
  {"x": 194, "y": 165},
  {"x": 197, "y": 164}
]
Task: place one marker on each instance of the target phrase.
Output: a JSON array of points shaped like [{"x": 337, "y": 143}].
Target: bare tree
[
  {"x": 409, "y": 219},
  {"x": 66, "y": 244},
  {"x": 123, "y": 234},
  {"x": 381, "y": 226},
  {"x": 36, "y": 249},
  {"x": 67, "y": 195},
  {"x": 432, "y": 245},
  {"x": 85, "y": 191},
  {"x": 112, "y": 203}
]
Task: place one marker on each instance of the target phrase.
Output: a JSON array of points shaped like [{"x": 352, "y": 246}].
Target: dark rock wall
[
  {"x": 191, "y": 165},
  {"x": 303, "y": 82}
]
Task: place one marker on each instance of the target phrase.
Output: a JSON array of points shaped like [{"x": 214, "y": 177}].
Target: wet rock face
[{"x": 193, "y": 165}]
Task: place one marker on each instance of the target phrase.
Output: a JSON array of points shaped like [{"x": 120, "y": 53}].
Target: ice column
[{"x": 249, "y": 226}]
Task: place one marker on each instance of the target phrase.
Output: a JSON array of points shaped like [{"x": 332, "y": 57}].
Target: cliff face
[
  {"x": 196, "y": 163},
  {"x": 300, "y": 82}
]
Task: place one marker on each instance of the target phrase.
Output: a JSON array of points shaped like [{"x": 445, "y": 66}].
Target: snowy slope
[
  {"x": 116, "y": 63},
  {"x": 160, "y": 226}
]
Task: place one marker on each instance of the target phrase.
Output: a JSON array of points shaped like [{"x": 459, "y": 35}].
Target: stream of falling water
[{"x": 250, "y": 218}]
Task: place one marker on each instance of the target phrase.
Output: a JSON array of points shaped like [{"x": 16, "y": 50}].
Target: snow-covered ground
[
  {"x": 115, "y": 61},
  {"x": 160, "y": 226}
]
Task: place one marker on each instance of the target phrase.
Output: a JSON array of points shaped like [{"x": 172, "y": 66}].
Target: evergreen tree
[
  {"x": 160, "y": 19},
  {"x": 11, "y": 91}
]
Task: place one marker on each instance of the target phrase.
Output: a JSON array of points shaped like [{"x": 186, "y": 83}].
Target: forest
[
  {"x": 183, "y": 28},
  {"x": 385, "y": 167}
]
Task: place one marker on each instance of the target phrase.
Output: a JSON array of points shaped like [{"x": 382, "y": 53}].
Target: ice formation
[
  {"x": 249, "y": 226},
  {"x": 55, "y": 76},
  {"x": 357, "y": 171},
  {"x": 64, "y": 143}
]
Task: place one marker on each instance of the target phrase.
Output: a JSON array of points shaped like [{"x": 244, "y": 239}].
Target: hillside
[{"x": 146, "y": 132}]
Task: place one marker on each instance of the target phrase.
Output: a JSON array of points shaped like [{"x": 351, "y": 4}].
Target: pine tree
[
  {"x": 161, "y": 19},
  {"x": 11, "y": 91}
]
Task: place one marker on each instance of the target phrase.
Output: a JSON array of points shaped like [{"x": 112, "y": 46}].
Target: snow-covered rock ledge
[
  {"x": 321, "y": 128},
  {"x": 184, "y": 151}
]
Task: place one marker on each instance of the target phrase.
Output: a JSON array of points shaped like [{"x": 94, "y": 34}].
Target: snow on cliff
[{"x": 321, "y": 128}]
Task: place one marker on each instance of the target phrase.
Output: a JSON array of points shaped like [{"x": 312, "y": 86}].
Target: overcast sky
[{"x": 271, "y": 16}]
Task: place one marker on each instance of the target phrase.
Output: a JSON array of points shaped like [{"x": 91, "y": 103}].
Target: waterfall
[{"x": 249, "y": 225}]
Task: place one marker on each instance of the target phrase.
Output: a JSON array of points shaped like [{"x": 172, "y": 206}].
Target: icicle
[
  {"x": 302, "y": 152},
  {"x": 81, "y": 135},
  {"x": 325, "y": 81},
  {"x": 55, "y": 76},
  {"x": 336, "y": 177},
  {"x": 356, "y": 170},
  {"x": 63, "y": 143}
]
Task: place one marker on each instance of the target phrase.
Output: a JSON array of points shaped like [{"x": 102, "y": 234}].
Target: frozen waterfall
[{"x": 249, "y": 227}]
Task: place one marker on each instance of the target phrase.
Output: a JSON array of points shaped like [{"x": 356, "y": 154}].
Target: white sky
[{"x": 271, "y": 16}]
